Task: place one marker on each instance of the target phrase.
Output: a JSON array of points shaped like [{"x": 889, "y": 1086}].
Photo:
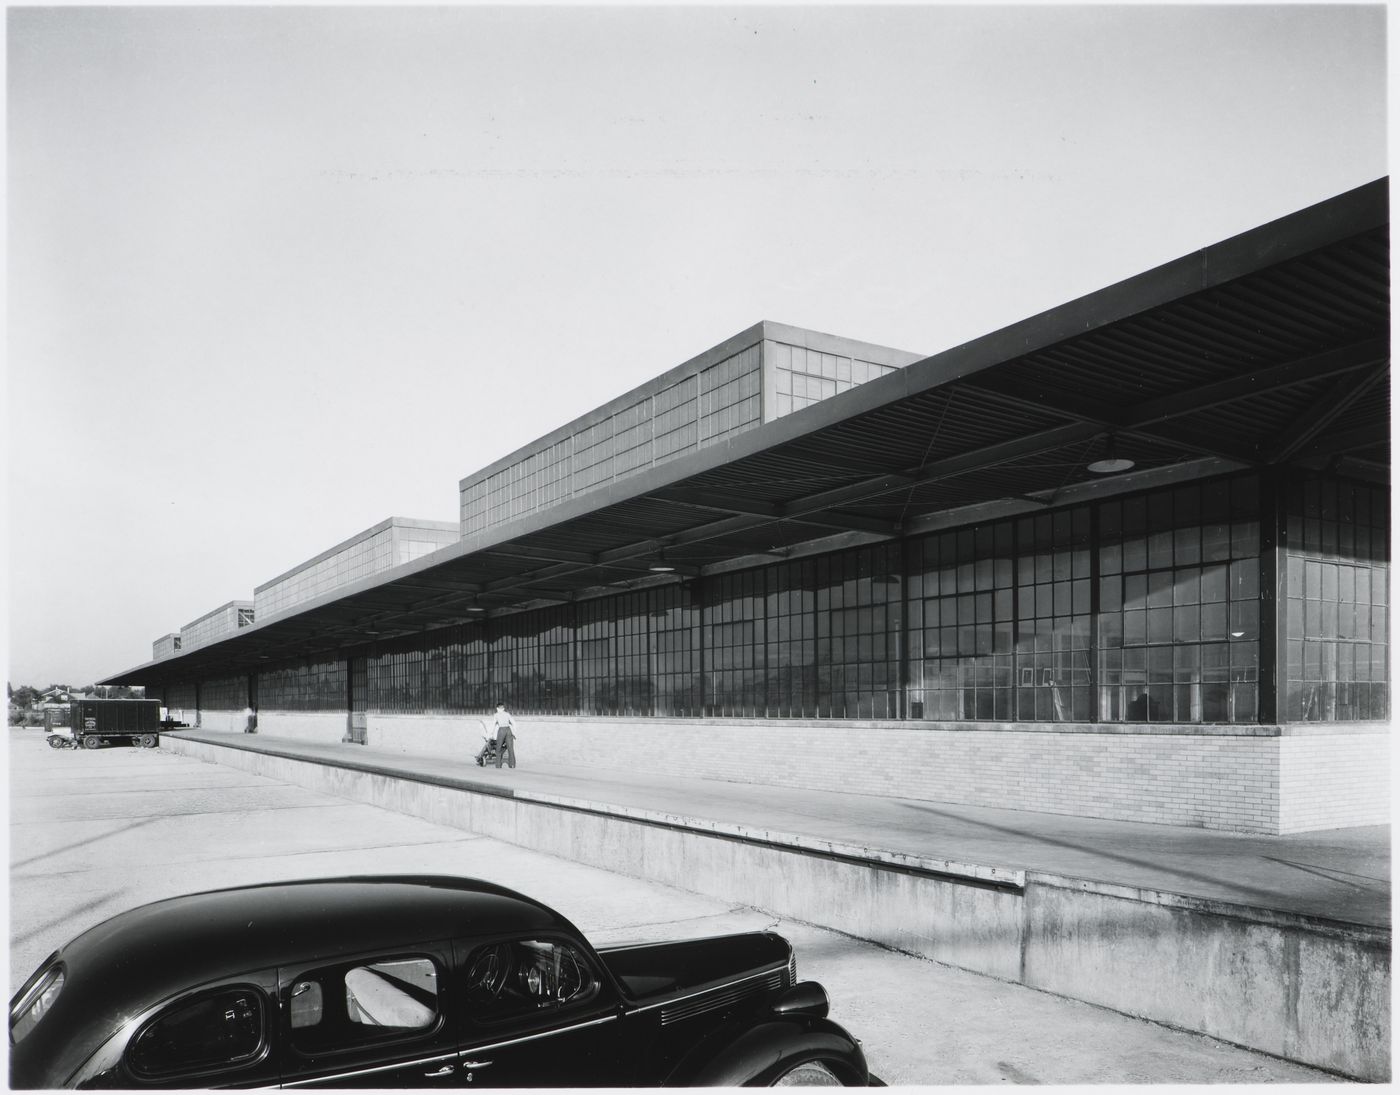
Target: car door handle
[
  {"x": 445, "y": 1070},
  {"x": 476, "y": 1064}
]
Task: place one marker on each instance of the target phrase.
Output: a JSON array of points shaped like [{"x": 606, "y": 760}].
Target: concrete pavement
[{"x": 93, "y": 833}]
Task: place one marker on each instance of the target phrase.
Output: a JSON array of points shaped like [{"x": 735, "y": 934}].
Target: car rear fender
[{"x": 764, "y": 1052}]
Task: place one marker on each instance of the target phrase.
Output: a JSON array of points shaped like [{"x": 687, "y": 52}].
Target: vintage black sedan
[{"x": 411, "y": 982}]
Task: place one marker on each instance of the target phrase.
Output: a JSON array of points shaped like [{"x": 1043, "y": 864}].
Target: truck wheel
[
  {"x": 56, "y": 741},
  {"x": 148, "y": 741},
  {"x": 92, "y": 741}
]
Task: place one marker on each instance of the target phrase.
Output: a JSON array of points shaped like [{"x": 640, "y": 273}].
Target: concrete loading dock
[{"x": 1277, "y": 944}]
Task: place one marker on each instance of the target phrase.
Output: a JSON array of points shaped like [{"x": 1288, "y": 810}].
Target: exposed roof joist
[{"x": 1303, "y": 429}]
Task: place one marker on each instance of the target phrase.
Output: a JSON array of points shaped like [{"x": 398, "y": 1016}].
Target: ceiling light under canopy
[{"x": 1110, "y": 463}]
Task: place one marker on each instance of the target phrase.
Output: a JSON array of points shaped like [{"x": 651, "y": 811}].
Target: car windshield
[{"x": 34, "y": 1003}]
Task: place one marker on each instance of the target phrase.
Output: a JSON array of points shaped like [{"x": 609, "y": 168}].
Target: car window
[
  {"x": 218, "y": 1030},
  {"x": 306, "y": 1009},
  {"x": 344, "y": 1006},
  {"x": 517, "y": 977}
]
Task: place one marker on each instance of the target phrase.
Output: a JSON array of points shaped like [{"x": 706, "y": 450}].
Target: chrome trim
[
  {"x": 674, "y": 1000},
  {"x": 330, "y": 1077},
  {"x": 490, "y": 1046},
  {"x": 679, "y": 1010}
]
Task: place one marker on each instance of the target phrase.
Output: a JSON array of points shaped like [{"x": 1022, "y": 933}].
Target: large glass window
[
  {"x": 632, "y": 654},
  {"x": 733, "y": 638},
  {"x": 310, "y": 686},
  {"x": 730, "y": 396},
  {"x": 1053, "y": 588},
  {"x": 675, "y": 625},
  {"x": 803, "y": 376},
  {"x": 224, "y": 694},
  {"x": 1178, "y": 614},
  {"x": 595, "y": 665},
  {"x": 791, "y": 657},
  {"x": 181, "y": 696},
  {"x": 1337, "y": 598},
  {"x": 999, "y": 621},
  {"x": 695, "y": 411},
  {"x": 857, "y": 597}
]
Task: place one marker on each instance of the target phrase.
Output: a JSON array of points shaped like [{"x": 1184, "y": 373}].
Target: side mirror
[{"x": 807, "y": 998}]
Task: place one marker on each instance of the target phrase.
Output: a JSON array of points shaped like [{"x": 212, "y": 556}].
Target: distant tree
[
  {"x": 113, "y": 691},
  {"x": 24, "y": 696}
]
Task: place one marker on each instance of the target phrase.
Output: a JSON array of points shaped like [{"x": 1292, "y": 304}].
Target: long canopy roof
[{"x": 1269, "y": 348}]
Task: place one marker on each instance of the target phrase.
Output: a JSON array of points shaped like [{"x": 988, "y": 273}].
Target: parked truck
[{"x": 93, "y": 722}]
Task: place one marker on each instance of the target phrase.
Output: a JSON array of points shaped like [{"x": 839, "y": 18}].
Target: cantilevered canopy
[{"x": 1270, "y": 348}]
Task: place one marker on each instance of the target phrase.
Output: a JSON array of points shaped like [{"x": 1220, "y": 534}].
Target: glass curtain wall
[
  {"x": 1338, "y": 597},
  {"x": 181, "y": 696},
  {"x": 224, "y": 694},
  {"x": 638, "y": 653},
  {"x": 857, "y": 622},
  {"x": 1179, "y": 605},
  {"x": 1144, "y": 608},
  {"x": 1000, "y": 621},
  {"x": 309, "y": 686}
]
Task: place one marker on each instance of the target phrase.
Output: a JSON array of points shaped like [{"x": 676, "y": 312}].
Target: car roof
[{"x": 135, "y": 960}]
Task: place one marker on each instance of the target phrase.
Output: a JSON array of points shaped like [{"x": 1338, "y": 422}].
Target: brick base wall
[
  {"x": 1166, "y": 776},
  {"x": 1331, "y": 778},
  {"x": 453, "y": 736},
  {"x": 304, "y": 725},
  {"x": 1255, "y": 779}
]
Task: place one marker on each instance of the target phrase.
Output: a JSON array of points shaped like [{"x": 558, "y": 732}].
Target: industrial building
[{"x": 1127, "y": 558}]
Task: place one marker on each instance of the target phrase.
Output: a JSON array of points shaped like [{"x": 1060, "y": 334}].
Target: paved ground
[
  {"x": 93, "y": 833},
  {"x": 1341, "y": 874}
]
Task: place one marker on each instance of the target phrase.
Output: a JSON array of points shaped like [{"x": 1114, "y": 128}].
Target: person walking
[{"x": 505, "y": 736}]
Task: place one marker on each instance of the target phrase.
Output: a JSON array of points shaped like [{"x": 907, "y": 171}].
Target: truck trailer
[{"x": 94, "y": 722}]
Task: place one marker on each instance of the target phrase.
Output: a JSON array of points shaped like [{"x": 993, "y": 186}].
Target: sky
[{"x": 276, "y": 274}]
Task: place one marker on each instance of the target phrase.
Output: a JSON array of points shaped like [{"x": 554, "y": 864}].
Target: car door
[
  {"x": 378, "y": 1020},
  {"x": 538, "y": 1012}
]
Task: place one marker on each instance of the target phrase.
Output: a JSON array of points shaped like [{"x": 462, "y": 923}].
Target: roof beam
[
  {"x": 946, "y": 468},
  {"x": 1300, "y": 371},
  {"x": 433, "y": 605},
  {"x": 1196, "y": 398},
  {"x": 1339, "y": 444},
  {"x": 1208, "y": 444},
  {"x": 550, "y": 555},
  {"x": 710, "y": 500},
  {"x": 1321, "y": 414}
]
